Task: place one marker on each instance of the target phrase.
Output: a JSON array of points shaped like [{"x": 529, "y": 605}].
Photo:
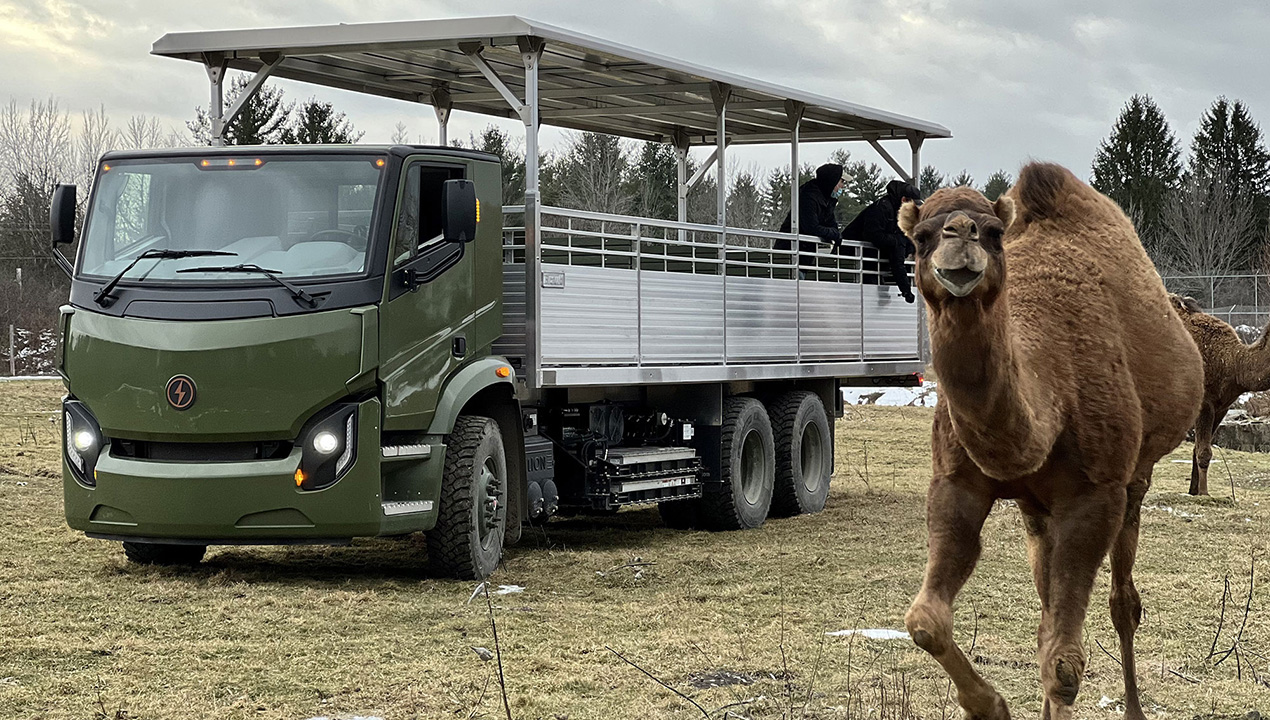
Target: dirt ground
[{"x": 735, "y": 621}]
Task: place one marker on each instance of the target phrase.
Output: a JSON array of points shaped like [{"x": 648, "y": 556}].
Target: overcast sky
[{"x": 1013, "y": 80}]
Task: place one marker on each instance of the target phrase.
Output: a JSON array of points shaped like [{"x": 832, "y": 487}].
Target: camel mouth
[{"x": 959, "y": 282}]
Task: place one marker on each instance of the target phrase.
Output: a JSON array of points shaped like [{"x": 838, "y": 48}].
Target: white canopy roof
[{"x": 585, "y": 83}]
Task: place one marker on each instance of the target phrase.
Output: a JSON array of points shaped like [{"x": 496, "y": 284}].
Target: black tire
[
  {"x": 467, "y": 542},
  {"x": 804, "y": 454},
  {"x": 681, "y": 514},
  {"x": 144, "y": 553},
  {"x": 742, "y": 497}
]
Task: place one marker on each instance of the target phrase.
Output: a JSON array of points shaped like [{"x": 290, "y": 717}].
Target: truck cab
[{"x": 272, "y": 344}]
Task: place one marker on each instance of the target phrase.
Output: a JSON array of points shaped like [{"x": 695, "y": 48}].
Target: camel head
[{"x": 958, "y": 237}]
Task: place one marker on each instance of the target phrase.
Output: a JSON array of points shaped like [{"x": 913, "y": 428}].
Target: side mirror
[
  {"x": 62, "y": 215},
  {"x": 460, "y": 211},
  {"x": 62, "y": 223}
]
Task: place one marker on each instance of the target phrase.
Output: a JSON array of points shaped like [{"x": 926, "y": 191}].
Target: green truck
[{"x": 309, "y": 344}]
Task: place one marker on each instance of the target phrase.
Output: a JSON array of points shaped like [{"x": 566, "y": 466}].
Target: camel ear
[
  {"x": 907, "y": 218},
  {"x": 1004, "y": 209}
]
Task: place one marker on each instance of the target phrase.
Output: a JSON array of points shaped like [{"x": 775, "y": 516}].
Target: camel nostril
[{"x": 974, "y": 229}]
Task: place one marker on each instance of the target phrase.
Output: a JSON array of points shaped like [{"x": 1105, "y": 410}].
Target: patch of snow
[
  {"x": 924, "y": 396},
  {"x": 508, "y": 589},
  {"x": 872, "y": 634},
  {"x": 1174, "y": 511},
  {"x": 8, "y": 378}
]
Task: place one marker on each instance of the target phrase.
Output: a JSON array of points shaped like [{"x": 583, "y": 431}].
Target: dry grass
[{"x": 290, "y": 633}]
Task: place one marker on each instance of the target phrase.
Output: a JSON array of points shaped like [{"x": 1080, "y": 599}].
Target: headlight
[
  {"x": 82, "y": 441},
  {"x": 329, "y": 445},
  {"x": 326, "y": 442}
]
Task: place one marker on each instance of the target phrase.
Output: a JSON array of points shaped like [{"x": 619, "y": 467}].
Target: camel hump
[{"x": 1045, "y": 188}]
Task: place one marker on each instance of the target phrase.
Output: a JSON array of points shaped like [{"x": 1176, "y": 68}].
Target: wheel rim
[
  {"x": 489, "y": 502},
  {"x": 753, "y": 467},
  {"x": 812, "y": 457}
]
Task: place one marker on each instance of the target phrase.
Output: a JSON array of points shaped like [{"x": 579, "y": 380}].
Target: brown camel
[
  {"x": 1231, "y": 369},
  {"x": 1064, "y": 376}
]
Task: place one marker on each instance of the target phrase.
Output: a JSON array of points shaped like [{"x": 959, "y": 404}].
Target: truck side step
[
  {"x": 406, "y": 507},
  {"x": 406, "y": 452}
]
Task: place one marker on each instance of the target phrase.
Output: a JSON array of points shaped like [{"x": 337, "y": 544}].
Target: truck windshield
[{"x": 301, "y": 217}]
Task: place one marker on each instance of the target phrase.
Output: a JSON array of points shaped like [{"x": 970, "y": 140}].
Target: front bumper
[{"x": 241, "y": 502}]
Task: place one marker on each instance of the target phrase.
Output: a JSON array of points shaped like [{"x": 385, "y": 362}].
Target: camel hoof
[{"x": 1068, "y": 677}]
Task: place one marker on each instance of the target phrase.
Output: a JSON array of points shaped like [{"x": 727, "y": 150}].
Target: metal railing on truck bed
[{"x": 626, "y": 299}]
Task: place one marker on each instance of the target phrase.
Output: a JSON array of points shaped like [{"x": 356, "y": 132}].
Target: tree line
[
  {"x": 1208, "y": 214},
  {"x": 1203, "y": 214}
]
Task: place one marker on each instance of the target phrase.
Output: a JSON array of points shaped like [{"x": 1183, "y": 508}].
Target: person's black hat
[{"x": 828, "y": 175}]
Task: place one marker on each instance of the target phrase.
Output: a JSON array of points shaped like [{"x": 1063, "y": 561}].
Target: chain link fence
[{"x": 1241, "y": 300}]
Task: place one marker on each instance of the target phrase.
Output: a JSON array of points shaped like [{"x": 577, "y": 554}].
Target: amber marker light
[
  {"x": 105, "y": 168},
  {"x": 205, "y": 163},
  {"x": 259, "y": 162},
  {"x": 478, "y": 210},
  {"x": 300, "y": 477},
  {"x": 379, "y": 162},
  {"x": 233, "y": 163},
  {"x": 503, "y": 372}
]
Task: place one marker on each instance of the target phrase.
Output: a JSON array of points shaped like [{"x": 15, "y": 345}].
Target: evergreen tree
[
  {"x": 262, "y": 121},
  {"x": 964, "y": 178},
  {"x": 1138, "y": 166},
  {"x": 317, "y": 123},
  {"x": 998, "y": 183},
  {"x": 776, "y": 194},
  {"x": 745, "y": 202},
  {"x": 496, "y": 142},
  {"x": 590, "y": 174},
  {"x": 1229, "y": 143},
  {"x": 864, "y": 184},
  {"x": 652, "y": 181},
  {"x": 929, "y": 181},
  {"x": 1228, "y": 149}
]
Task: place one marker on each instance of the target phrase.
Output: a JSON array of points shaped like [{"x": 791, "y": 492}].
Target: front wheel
[
  {"x": 144, "y": 553},
  {"x": 467, "y": 541}
]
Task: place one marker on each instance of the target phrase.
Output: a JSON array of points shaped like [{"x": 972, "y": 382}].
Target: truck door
[{"x": 429, "y": 299}]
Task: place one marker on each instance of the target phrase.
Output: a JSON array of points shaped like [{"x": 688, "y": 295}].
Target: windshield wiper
[
  {"x": 103, "y": 296},
  {"x": 296, "y": 293}
]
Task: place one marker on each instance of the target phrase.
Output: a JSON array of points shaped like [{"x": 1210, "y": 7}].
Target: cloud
[{"x": 1012, "y": 80}]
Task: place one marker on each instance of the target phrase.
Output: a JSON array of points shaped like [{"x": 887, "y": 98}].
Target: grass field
[{"x": 294, "y": 633}]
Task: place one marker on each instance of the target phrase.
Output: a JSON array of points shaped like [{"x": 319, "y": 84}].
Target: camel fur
[
  {"x": 1065, "y": 374},
  {"x": 1231, "y": 369}
]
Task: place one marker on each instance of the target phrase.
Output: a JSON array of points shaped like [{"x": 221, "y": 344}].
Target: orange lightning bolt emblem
[{"x": 181, "y": 392}]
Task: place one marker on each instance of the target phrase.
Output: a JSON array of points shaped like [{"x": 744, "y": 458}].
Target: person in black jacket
[
  {"x": 877, "y": 225},
  {"x": 816, "y": 200}
]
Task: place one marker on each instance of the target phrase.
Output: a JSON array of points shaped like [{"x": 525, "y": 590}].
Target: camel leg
[
  {"x": 1040, "y": 544},
  {"x": 1126, "y": 604},
  {"x": 954, "y": 518},
  {"x": 1085, "y": 521},
  {"x": 1203, "y": 453}
]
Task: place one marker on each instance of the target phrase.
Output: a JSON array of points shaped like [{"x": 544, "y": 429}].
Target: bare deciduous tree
[
  {"x": 1207, "y": 229},
  {"x": 35, "y": 144}
]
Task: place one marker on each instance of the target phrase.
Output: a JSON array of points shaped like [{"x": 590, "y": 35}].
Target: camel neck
[{"x": 1004, "y": 416}]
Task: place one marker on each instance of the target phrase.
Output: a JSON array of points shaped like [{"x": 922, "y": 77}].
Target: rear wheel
[
  {"x": 467, "y": 541},
  {"x": 144, "y": 553},
  {"x": 747, "y": 462},
  {"x": 804, "y": 454}
]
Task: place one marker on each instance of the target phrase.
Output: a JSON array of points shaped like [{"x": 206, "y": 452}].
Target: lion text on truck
[{"x": 309, "y": 344}]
